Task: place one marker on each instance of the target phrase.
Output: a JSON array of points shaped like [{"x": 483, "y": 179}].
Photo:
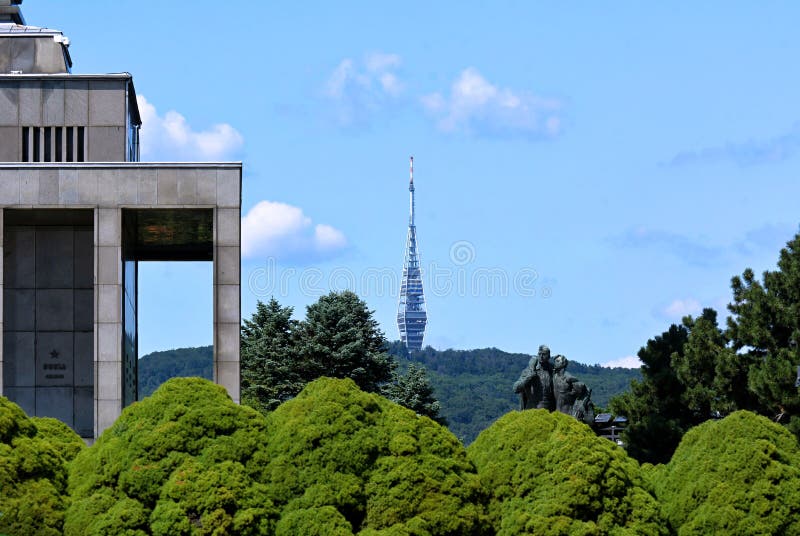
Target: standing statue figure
[
  {"x": 543, "y": 385},
  {"x": 535, "y": 384},
  {"x": 564, "y": 385},
  {"x": 583, "y": 408}
]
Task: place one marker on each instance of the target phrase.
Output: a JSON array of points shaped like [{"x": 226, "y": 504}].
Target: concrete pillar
[
  {"x": 227, "y": 274},
  {"x": 107, "y": 317},
  {"x": 2, "y": 281},
  {"x": 227, "y": 297}
]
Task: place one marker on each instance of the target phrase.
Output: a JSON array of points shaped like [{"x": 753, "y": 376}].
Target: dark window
[
  {"x": 59, "y": 140},
  {"x": 36, "y": 148},
  {"x": 48, "y": 142},
  {"x": 26, "y": 155},
  {"x": 70, "y": 144},
  {"x": 80, "y": 144}
]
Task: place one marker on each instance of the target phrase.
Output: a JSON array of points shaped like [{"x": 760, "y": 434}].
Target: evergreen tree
[
  {"x": 414, "y": 391},
  {"x": 339, "y": 338},
  {"x": 654, "y": 407},
  {"x": 765, "y": 329},
  {"x": 713, "y": 375},
  {"x": 269, "y": 357}
]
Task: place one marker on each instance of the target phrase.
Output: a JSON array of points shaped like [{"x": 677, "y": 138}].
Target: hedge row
[{"x": 338, "y": 461}]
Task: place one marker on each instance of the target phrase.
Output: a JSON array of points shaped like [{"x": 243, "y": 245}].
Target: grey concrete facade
[
  {"x": 103, "y": 107},
  {"x": 107, "y": 190}
]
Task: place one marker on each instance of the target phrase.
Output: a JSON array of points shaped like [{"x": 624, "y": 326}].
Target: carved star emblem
[{"x": 54, "y": 354}]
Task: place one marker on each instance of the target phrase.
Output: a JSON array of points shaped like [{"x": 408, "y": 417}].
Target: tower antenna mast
[{"x": 411, "y": 314}]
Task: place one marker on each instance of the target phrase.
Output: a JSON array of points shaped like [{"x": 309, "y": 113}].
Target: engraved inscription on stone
[{"x": 54, "y": 359}]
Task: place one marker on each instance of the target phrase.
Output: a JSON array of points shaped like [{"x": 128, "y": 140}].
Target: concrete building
[{"x": 78, "y": 212}]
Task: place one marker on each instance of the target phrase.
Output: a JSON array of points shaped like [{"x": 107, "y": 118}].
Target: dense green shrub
[
  {"x": 60, "y": 436},
  {"x": 344, "y": 461},
  {"x": 33, "y": 474},
  {"x": 549, "y": 474},
  {"x": 178, "y": 462},
  {"x": 740, "y": 475}
]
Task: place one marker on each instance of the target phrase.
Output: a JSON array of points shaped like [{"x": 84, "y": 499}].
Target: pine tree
[
  {"x": 339, "y": 338},
  {"x": 765, "y": 329},
  {"x": 414, "y": 391},
  {"x": 269, "y": 357},
  {"x": 658, "y": 418}
]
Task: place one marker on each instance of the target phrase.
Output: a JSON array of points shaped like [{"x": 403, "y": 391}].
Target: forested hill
[
  {"x": 158, "y": 367},
  {"x": 474, "y": 387}
]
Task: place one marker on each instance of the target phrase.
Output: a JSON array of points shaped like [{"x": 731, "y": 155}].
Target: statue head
[
  {"x": 560, "y": 362},
  {"x": 544, "y": 354}
]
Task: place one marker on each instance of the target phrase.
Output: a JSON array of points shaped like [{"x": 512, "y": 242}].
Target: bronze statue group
[{"x": 546, "y": 385}]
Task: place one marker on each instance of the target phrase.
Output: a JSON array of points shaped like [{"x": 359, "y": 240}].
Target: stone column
[
  {"x": 227, "y": 270},
  {"x": 107, "y": 317},
  {"x": 2, "y": 283}
]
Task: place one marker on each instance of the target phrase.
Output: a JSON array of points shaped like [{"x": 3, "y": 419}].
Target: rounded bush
[
  {"x": 33, "y": 471},
  {"x": 549, "y": 474},
  {"x": 336, "y": 453},
  {"x": 739, "y": 475},
  {"x": 178, "y": 462}
]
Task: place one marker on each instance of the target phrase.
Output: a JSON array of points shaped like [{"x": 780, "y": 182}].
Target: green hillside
[
  {"x": 158, "y": 367},
  {"x": 474, "y": 387}
]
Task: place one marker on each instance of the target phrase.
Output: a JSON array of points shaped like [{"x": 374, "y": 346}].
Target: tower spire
[
  {"x": 411, "y": 315},
  {"x": 411, "y": 189}
]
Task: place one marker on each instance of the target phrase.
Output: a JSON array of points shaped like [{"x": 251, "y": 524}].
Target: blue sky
[{"x": 586, "y": 173}]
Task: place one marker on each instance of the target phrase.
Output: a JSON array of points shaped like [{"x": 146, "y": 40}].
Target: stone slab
[
  {"x": 54, "y": 257},
  {"x": 54, "y": 310},
  {"x": 19, "y": 306},
  {"x": 9, "y": 104},
  {"x": 109, "y": 265},
  {"x": 56, "y": 402},
  {"x": 227, "y": 304},
  {"x": 48, "y": 186},
  {"x": 11, "y": 146},
  {"x": 53, "y": 102},
  {"x": 24, "y": 397},
  {"x": 229, "y": 193},
  {"x": 228, "y": 222},
  {"x": 83, "y": 412},
  {"x": 54, "y": 358},
  {"x": 108, "y": 381},
  {"x": 167, "y": 187},
  {"x": 83, "y": 358},
  {"x": 83, "y": 309},
  {"x": 83, "y": 270},
  {"x": 227, "y": 264},
  {"x": 19, "y": 262},
  {"x": 106, "y": 103},
  {"x": 109, "y": 343},
  {"x": 76, "y": 102},
  {"x": 19, "y": 359}
]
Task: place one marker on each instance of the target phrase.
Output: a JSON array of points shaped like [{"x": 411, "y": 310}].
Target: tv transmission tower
[{"x": 411, "y": 315}]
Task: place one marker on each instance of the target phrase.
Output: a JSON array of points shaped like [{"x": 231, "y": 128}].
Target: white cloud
[
  {"x": 169, "y": 137},
  {"x": 284, "y": 232},
  {"x": 629, "y": 361},
  {"x": 477, "y": 106},
  {"x": 747, "y": 153},
  {"x": 682, "y": 307},
  {"x": 360, "y": 89}
]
